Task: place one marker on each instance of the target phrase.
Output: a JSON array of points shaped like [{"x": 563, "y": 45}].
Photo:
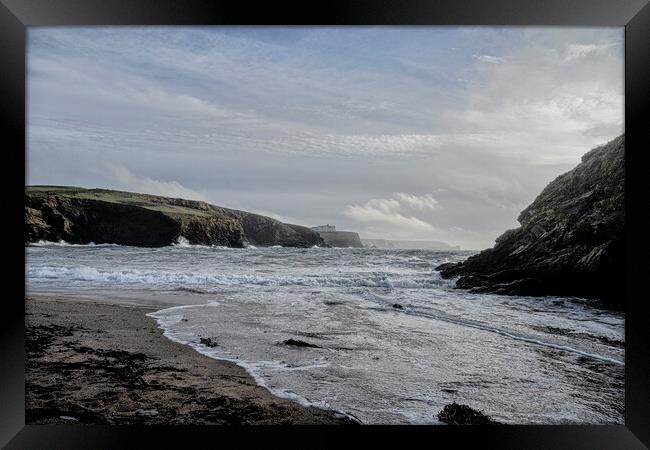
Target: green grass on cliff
[{"x": 153, "y": 202}]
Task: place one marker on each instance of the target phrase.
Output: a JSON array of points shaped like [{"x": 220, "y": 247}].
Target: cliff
[
  {"x": 341, "y": 239},
  {"x": 571, "y": 241},
  {"x": 80, "y": 216}
]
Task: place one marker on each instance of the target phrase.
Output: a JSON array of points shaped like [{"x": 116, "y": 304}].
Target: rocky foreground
[
  {"x": 571, "y": 241},
  {"x": 80, "y": 216}
]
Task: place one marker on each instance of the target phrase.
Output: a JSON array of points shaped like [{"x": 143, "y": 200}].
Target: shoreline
[
  {"x": 93, "y": 362},
  {"x": 259, "y": 380}
]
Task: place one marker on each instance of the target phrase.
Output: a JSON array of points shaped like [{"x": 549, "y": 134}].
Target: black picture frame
[{"x": 634, "y": 15}]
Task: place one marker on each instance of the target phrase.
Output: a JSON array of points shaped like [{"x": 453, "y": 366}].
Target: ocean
[{"x": 396, "y": 343}]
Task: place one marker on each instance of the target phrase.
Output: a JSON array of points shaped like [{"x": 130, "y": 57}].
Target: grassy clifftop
[{"x": 168, "y": 205}]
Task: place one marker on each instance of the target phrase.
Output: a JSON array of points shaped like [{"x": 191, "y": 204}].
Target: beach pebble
[
  {"x": 146, "y": 412},
  {"x": 208, "y": 342}
]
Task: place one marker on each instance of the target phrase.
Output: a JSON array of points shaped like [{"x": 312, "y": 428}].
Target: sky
[{"x": 422, "y": 133}]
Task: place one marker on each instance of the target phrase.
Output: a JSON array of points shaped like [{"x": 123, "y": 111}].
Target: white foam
[
  {"x": 172, "y": 279},
  {"x": 182, "y": 242},
  {"x": 166, "y": 318},
  {"x": 63, "y": 243}
]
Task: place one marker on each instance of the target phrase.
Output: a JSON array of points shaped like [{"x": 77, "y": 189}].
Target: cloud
[
  {"x": 124, "y": 179},
  {"x": 574, "y": 51},
  {"x": 364, "y": 145},
  {"x": 312, "y": 122},
  {"x": 420, "y": 202},
  {"x": 394, "y": 212},
  {"x": 554, "y": 94},
  {"x": 273, "y": 215},
  {"x": 490, "y": 59}
]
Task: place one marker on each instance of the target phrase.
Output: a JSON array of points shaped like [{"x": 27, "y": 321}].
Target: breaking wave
[
  {"x": 173, "y": 279},
  {"x": 63, "y": 243},
  {"x": 182, "y": 242}
]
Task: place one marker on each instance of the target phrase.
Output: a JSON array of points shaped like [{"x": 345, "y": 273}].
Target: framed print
[{"x": 359, "y": 218}]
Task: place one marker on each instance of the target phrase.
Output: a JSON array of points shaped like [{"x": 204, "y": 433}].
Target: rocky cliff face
[
  {"x": 261, "y": 230},
  {"x": 341, "y": 239},
  {"x": 571, "y": 239},
  {"x": 80, "y": 216}
]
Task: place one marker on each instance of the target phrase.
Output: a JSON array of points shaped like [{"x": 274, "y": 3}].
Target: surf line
[{"x": 528, "y": 340}]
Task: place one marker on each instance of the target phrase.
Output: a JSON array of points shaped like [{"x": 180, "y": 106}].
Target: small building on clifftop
[{"x": 333, "y": 238}]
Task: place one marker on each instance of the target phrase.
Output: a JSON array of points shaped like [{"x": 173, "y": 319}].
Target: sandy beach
[{"x": 99, "y": 363}]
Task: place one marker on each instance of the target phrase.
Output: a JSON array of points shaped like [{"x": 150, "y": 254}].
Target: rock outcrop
[
  {"x": 341, "y": 239},
  {"x": 80, "y": 216},
  {"x": 571, "y": 241},
  {"x": 455, "y": 414}
]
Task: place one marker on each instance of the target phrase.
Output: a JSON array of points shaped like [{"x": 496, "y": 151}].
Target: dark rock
[
  {"x": 298, "y": 343},
  {"x": 261, "y": 230},
  {"x": 342, "y": 239},
  {"x": 80, "y": 216},
  {"x": 332, "y": 302},
  {"x": 571, "y": 238},
  {"x": 208, "y": 342},
  {"x": 455, "y": 414},
  {"x": 80, "y": 221},
  {"x": 398, "y": 306}
]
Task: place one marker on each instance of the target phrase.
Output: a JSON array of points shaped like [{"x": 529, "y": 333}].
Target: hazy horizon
[{"x": 401, "y": 133}]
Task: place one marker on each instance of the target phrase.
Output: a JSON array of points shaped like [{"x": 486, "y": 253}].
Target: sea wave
[
  {"x": 182, "y": 242},
  {"x": 174, "y": 278},
  {"x": 438, "y": 315},
  {"x": 62, "y": 243}
]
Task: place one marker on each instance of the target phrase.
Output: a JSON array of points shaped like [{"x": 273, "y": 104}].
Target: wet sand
[{"x": 100, "y": 363}]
